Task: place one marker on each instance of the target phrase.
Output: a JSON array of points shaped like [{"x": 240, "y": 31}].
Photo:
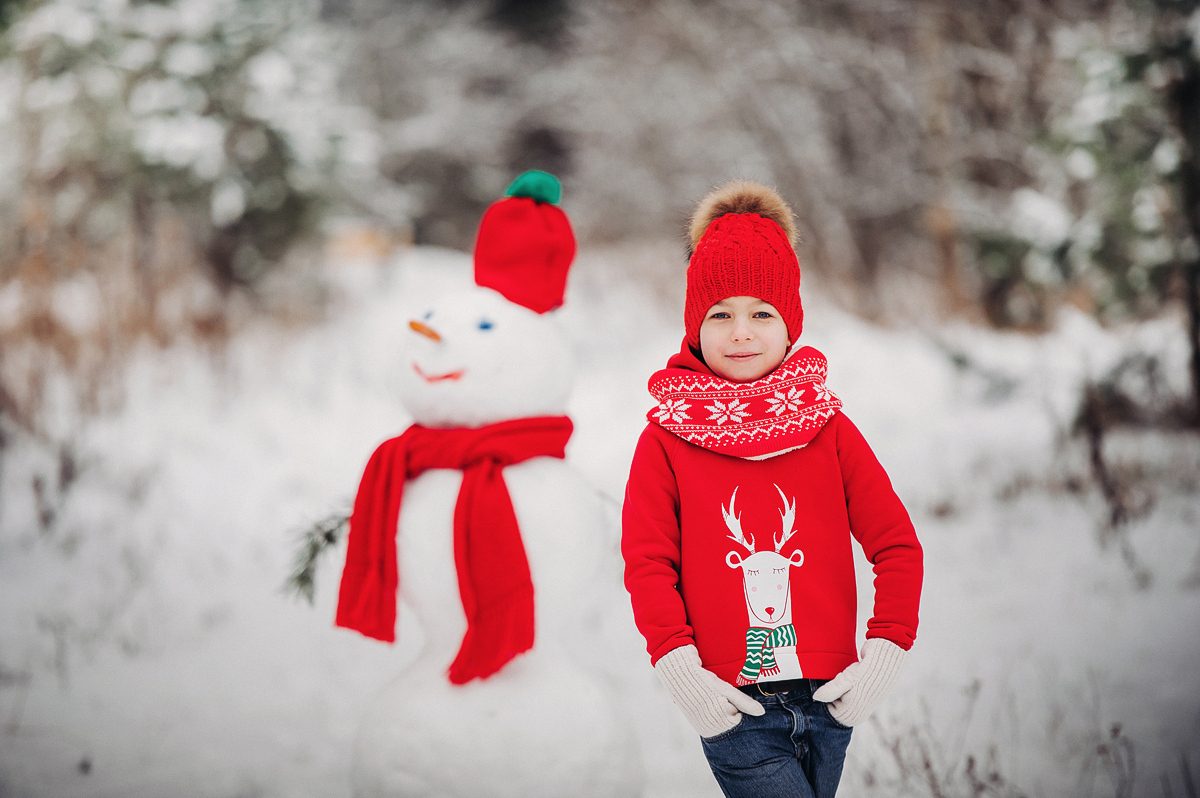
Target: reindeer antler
[
  {"x": 734, "y": 522},
  {"x": 788, "y": 514}
]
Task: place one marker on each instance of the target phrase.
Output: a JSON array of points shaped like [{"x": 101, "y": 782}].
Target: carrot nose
[{"x": 425, "y": 330}]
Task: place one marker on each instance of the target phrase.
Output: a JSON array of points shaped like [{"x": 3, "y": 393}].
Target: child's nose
[{"x": 741, "y": 332}]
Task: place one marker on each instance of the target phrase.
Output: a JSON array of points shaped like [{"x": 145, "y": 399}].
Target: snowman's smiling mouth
[{"x": 453, "y": 375}]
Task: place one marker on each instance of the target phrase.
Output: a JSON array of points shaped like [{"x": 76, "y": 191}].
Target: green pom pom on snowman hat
[{"x": 539, "y": 186}]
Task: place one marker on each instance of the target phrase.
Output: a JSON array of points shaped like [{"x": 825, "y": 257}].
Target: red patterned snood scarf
[{"x": 753, "y": 420}]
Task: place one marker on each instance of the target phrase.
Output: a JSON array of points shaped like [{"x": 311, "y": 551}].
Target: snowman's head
[{"x": 473, "y": 358}]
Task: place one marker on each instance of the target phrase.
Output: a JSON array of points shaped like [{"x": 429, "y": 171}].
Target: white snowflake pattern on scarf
[
  {"x": 733, "y": 410},
  {"x": 785, "y": 403},
  {"x": 754, "y": 420},
  {"x": 673, "y": 410}
]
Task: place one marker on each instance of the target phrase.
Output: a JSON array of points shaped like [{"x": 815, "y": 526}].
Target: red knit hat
[
  {"x": 742, "y": 236},
  {"x": 525, "y": 245}
]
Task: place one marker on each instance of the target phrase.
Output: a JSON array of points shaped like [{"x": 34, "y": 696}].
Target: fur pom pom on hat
[{"x": 742, "y": 237}]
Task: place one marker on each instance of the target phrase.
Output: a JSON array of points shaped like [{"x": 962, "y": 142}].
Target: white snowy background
[
  {"x": 146, "y": 645},
  {"x": 147, "y": 649}
]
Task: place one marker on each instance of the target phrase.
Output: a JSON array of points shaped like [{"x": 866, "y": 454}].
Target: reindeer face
[
  {"x": 765, "y": 574},
  {"x": 767, "y": 584}
]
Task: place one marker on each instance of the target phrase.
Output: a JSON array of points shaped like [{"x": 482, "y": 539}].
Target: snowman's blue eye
[
  {"x": 484, "y": 324},
  {"x": 428, "y": 316}
]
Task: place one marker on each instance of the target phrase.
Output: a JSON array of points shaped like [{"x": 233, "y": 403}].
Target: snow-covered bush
[
  {"x": 1118, "y": 183},
  {"x": 161, "y": 156}
]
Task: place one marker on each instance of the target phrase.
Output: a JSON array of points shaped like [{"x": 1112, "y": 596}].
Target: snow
[
  {"x": 1039, "y": 219},
  {"x": 228, "y": 202},
  {"x": 183, "y": 140},
  {"x": 76, "y": 303},
  {"x": 48, "y": 92},
  {"x": 1081, "y": 164},
  {"x": 188, "y": 59},
  {"x": 146, "y": 647},
  {"x": 158, "y": 96}
]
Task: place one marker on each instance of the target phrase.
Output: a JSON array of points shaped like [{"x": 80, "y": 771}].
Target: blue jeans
[{"x": 795, "y": 749}]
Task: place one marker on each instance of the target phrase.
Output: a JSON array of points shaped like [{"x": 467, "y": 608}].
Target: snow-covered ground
[{"x": 147, "y": 649}]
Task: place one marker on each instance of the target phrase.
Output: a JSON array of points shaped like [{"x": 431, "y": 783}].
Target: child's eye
[
  {"x": 763, "y": 314},
  {"x": 484, "y": 324},
  {"x": 720, "y": 314}
]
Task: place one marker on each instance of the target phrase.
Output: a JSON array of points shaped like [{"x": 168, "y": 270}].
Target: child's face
[{"x": 743, "y": 338}]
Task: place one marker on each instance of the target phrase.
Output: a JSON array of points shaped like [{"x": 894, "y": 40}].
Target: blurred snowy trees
[
  {"x": 1130, "y": 144},
  {"x": 991, "y": 159},
  {"x": 159, "y": 154},
  {"x": 994, "y": 159},
  {"x": 919, "y": 137}
]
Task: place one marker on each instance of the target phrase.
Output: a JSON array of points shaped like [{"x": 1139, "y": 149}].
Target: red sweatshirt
[{"x": 708, "y": 559}]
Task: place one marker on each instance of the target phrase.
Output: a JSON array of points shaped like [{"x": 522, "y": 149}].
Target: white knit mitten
[
  {"x": 854, "y": 693},
  {"x": 710, "y": 704}
]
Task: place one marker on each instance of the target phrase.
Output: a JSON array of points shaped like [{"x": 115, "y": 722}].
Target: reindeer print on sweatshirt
[{"x": 766, "y": 582}]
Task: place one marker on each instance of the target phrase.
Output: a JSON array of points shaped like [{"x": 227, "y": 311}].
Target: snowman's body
[{"x": 543, "y": 725}]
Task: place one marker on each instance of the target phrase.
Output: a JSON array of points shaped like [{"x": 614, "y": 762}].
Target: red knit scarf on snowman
[
  {"x": 754, "y": 420},
  {"x": 493, "y": 572}
]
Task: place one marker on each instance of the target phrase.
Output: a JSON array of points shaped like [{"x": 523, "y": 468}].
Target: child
[{"x": 743, "y": 494}]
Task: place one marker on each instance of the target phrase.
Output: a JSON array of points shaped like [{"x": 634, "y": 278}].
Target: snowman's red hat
[{"x": 525, "y": 245}]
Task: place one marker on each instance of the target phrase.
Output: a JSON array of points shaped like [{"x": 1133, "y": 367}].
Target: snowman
[{"x": 474, "y": 519}]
